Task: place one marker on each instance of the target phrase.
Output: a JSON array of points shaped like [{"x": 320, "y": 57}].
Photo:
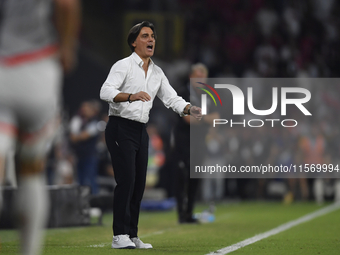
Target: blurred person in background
[
  {"x": 186, "y": 187},
  {"x": 213, "y": 188},
  {"x": 130, "y": 89},
  {"x": 156, "y": 155},
  {"x": 84, "y": 135},
  {"x": 34, "y": 49},
  {"x": 311, "y": 150},
  {"x": 105, "y": 165}
]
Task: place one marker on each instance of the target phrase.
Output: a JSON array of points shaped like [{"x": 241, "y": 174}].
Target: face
[
  {"x": 198, "y": 73},
  {"x": 145, "y": 43},
  {"x": 86, "y": 110}
]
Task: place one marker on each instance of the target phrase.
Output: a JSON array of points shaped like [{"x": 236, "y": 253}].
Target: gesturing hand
[
  {"x": 143, "y": 96},
  {"x": 196, "y": 112}
]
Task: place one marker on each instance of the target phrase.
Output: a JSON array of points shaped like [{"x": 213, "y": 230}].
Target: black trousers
[
  {"x": 127, "y": 142},
  {"x": 186, "y": 189}
]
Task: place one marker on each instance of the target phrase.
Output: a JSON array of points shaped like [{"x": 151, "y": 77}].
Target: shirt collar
[{"x": 139, "y": 61}]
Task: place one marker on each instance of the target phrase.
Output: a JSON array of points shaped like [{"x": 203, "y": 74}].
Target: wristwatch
[
  {"x": 129, "y": 98},
  {"x": 189, "y": 109}
]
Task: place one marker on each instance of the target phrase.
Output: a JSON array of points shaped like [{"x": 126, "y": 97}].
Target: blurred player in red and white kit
[{"x": 38, "y": 40}]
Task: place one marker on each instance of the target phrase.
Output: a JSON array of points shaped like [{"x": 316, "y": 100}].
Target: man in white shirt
[{"x": 130, "y": 88}]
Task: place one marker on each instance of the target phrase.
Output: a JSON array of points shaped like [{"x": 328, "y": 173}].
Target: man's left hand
[{"x": 196, "y": 112}]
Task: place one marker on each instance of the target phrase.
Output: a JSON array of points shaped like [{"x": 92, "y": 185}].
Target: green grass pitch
[{"x": 235, "y": 222}]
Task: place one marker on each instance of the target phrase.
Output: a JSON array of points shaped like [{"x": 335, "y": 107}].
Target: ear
[{"x": 134, "y": 44}]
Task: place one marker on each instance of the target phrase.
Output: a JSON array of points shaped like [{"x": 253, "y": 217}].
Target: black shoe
[
  {"x": 181, "y": 221},
  {"x": 188, "y": 220},
  {"x": 192, "y": 220},
  {"x": 182, "y": 218}
]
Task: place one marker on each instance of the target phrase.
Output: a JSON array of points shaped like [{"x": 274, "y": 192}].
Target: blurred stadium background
[
  {"x": 250, "y": 38},
  {"x": 236, "y": 38}
]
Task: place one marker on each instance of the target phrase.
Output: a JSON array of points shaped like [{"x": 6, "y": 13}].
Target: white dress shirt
[{"x": 128, "y": 76}]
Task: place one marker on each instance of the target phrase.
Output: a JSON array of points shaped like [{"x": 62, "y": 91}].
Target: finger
[
  {"x": 197, "y": 109},
  {"x": 147, "y": 96},
  {"x": 197, "y": 112}
]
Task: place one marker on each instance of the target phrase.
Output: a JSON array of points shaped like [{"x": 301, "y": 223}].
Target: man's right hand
[{"x": 142, "y": 96}]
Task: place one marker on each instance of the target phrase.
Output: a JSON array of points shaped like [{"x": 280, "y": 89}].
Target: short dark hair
[{"x": 135, "y": 30}]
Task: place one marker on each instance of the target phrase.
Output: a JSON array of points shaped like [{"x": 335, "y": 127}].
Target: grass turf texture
[{"x": 234, "y": 223}]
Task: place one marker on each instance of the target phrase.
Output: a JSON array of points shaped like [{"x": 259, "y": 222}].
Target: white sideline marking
[
  {"x": 98, "y": 245},
  {"x": 277, "y": 230},
  {"x": 159, "y": 232},
  {"x": 153, "y": 233}
]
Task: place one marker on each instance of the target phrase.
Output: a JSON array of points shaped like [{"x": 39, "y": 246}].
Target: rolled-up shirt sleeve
[
  {"x": 169, "y": 97},
  {"x": 115, "y": 79}
]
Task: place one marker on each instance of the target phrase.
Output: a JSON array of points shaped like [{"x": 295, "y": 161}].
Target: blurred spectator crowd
[{"x": 263, "y": 38}]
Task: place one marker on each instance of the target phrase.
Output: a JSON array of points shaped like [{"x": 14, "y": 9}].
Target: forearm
[
  {"x": 122, "y": 97},
  {"x": 67, "y": 21}
]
